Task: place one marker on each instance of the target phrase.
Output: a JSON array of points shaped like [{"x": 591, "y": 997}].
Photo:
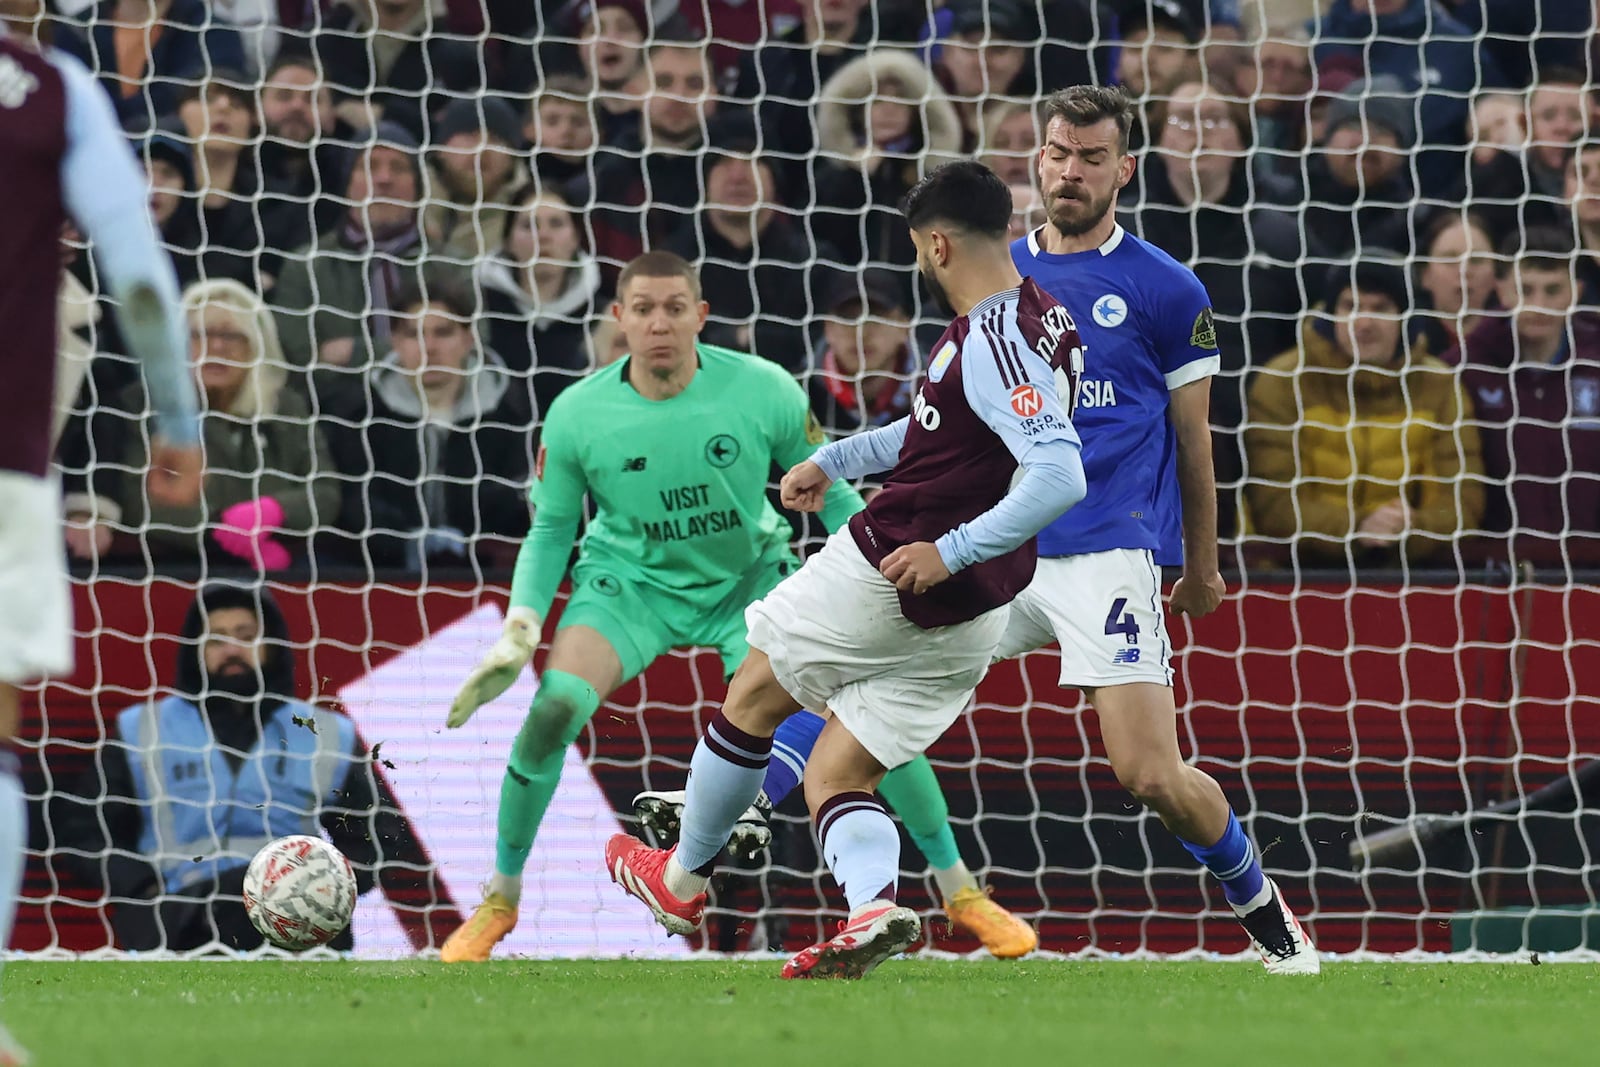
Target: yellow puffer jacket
[{"x": 1327, "y": 444}]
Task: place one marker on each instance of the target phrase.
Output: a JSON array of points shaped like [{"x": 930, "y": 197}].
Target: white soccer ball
[{"x": 299, "y": 892}]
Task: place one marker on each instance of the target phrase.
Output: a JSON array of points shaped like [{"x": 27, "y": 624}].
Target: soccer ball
[{"x": 299, "y": 892}]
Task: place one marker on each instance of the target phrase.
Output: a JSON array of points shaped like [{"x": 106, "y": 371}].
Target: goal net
[{"x": 1398, "y": 696}]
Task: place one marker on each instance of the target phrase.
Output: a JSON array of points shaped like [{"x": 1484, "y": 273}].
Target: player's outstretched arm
[
  {"x": 1200, "y": 590},
  {"x": 105, "y": 194},
  {"x": 557, "y": 494}
]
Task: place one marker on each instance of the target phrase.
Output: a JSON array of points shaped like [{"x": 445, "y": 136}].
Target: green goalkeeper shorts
[{"x": 643, "y": 621}]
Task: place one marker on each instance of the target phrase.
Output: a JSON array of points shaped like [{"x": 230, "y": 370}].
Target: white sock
[
  {"x": 682, "y": 882},
  {"x": 952, "y": 880},
  {"x": 13, "y": 839},
  {"x": 862, "y": 847},
  {"x": 507, "y": 885},
  {"x": 726, "y": 773}
]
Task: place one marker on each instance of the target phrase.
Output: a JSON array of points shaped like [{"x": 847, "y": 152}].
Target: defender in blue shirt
[{"x": 1143, "y": 416}]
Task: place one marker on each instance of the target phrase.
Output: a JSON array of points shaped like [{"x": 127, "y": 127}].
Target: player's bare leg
[
  {"x": 862, "y": 849},
  {"x": 581, "y": 671},
  {"x": 725, "y": 776},
  {"x": 13, "y": 831},
  {"x": 1139, "y": 723}
]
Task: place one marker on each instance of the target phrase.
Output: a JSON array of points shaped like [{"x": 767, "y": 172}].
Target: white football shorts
[
  {"x": 35, "y": 602},
  {"x": 836, "y": 639},
  {"x": 1105, "y": 610}
]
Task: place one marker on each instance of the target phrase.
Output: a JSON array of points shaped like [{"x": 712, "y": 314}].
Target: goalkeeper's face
[
  {"x": 660, "y": 318},
  {"x": 1081, "y": 168}
]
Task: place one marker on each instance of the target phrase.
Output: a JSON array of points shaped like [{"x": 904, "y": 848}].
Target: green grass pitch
[{"x": 915, "y": 1012}]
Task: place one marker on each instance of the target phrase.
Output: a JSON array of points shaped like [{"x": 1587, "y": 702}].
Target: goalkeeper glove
[{"x": 500, "y": 668}]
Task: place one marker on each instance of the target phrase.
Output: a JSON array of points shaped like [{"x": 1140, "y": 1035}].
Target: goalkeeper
[{"x": 674, "y": 445}]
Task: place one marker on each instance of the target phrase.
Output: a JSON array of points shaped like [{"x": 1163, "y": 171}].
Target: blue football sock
[
  {"x": 1233, "y": 860},
  {"x": 791, "y": 748}
]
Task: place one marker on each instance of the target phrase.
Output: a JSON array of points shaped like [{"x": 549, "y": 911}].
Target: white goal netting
[{"x": 1394, "y": 204}]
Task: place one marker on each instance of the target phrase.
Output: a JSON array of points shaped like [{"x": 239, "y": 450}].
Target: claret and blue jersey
[{"x": 1147, "y": 329}]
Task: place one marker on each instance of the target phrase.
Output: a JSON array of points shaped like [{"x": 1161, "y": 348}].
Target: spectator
[
  {"x": 1278, "y": 82},
  {"x": 1558, "y": 120},
  {"x": 607, "y": 344},
  {"x": 1455, "y": 279},
  {"x": 399, "y": 60},
  {"x": 267, "y": 467},
  {"x": 434, "y": 444},
  {"x": 785, "y": 75},
  {"x": 1432, "y": 55},
  {"x": 1527, "y": 37},
  {"x": 735, "y": 28},
  {"x": 1583, "y": 193},
  {"x": 476, "y": 166},
  {"x": 648, "y": 183},
  {"x": 256, "y": 22},
  {"x": 1027, "y": 210},
  {"x": 1010, "y": 143},
  {"x": 1359, "y": 184},
  {"x": 220, "y": 119},
  {"x": 988, "y": 51},
  {"x": 1157, "y": 51},
  {"x": 866, "y": 369},
  {"x": 1534, "y": 378},
  {"x": 147, "y": 51},
  {"x": 539, "y": 294},
  {"x": 610, "y": 37},
  {"x": 561, "y": 131},
  {"x": 753, "y": 256},
  {"x": 881, "y": 123},
  {"x": 305, "y": 149},
  {"x": 333, "y": 298},
  {"x": 169, "y": 166},
  {"x": 1197, "y": 207},
  {"x": 1359, "y": 447},
  {"x": 188, "y": 787}
]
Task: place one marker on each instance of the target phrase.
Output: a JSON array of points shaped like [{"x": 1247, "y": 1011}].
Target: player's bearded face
[{"x": 936, "y": 290}]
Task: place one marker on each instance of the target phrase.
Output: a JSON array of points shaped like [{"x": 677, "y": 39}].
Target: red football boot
[{"x": 640, "y": 871}]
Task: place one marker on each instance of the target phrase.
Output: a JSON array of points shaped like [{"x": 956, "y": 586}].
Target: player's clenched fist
[
  {"x": 914, "y": 568},
  {"x": 803, "y": 488},
  {"x": 1198, "y": 595}
]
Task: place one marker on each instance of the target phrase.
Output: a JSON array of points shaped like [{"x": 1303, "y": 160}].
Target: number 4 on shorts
[{"x": 1121, "y": 622}]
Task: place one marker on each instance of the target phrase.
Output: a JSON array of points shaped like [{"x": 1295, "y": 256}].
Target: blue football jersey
[{"x": 1147, "y": 329}]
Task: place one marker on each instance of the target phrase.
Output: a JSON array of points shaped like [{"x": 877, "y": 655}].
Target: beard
[
  {"x": 941, "y": 298},
  {"x": 1074, "y": 218},
  {"x": 236, "y": 679}
]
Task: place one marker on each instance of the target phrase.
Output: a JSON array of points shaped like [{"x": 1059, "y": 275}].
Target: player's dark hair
[
  {"x": 1087, "y": 105},
  {"x": 965, "y": 195},
  {"x": 291, "y": 59},
  {"x": 660, "y": 265}
]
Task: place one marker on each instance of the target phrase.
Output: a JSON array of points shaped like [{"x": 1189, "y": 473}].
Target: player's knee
[
  {"x": 1155, "y": 785},
  {"x": 557, "y": 716}
]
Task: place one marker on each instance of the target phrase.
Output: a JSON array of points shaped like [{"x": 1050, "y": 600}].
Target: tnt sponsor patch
[
  {"x": 941, "y": 361},
  {"x": 1026, "y": 401}
]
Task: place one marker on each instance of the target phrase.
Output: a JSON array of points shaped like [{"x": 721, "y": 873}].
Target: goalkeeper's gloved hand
[{"x": 500, "y": 668}]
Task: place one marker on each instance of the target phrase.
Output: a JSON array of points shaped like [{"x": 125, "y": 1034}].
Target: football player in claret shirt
[
  {"x": 673, "y": 445},
  {"x": 62, "y": 154},
  {"x": 891, "y": 626}
]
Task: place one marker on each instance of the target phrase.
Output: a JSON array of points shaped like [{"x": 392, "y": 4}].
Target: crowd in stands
[{"x": 399, "y": 224}]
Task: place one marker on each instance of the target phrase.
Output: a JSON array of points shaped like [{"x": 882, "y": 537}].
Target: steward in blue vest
[{"x": 188, "y": 787}]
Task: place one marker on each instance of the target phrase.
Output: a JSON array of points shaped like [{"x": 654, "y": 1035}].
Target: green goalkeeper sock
[
  {"x": 562, "y": 706},
  {"x": 914, "y": 794}
]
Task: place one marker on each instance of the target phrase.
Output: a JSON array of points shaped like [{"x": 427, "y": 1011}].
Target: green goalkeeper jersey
[{"x": 679, "y": 486}]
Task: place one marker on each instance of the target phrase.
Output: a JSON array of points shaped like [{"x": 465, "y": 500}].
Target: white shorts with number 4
[
  {"x": 35, "y": 602},
  {"x": 1105, "y": 610}
]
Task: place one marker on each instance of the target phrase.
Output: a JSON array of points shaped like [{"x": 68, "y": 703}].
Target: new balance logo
[
  {"x": 1126, "y": 655},
  {"x": 633, "y": 465},
  {"x": 15, "y": 83}
]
